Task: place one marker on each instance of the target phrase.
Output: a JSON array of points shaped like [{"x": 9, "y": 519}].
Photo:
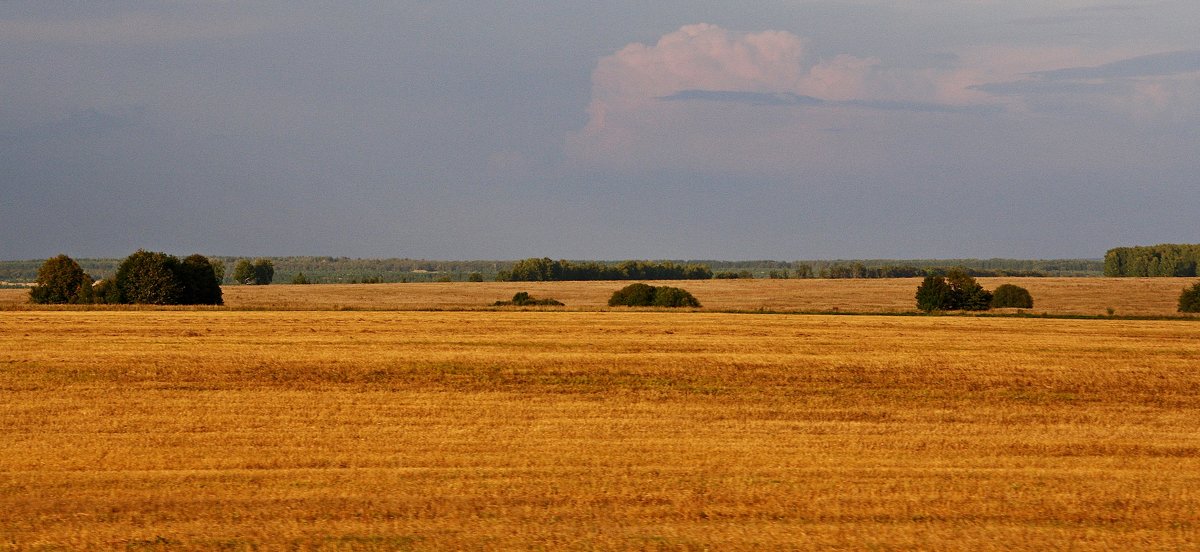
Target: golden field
[
  {"x": 1074, "y": 296},
  {"x": 225, "y": 429}
]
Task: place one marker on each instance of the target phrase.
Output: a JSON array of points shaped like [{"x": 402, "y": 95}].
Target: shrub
[
  {"x": 523, "y": 299},
  {"x": 60, "y": 280},
  {"x": 633, "y": 295},
  {"x": 1010, "y": 296},
  {"x": 475, "y": 277},
  {"x": 643, "y": 295},
  {"x": 300, "y": 278},
  {"x": 665, "y": 296},
  {"x": 1189, "y": 300}
]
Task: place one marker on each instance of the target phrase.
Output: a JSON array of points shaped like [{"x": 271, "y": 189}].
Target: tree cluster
[
  {"x": 1168, "y": 259},
  {"x": 957, "y": 290},
  {"x": 144, "y": 277},
  {"x": 259, "y": 273},
  {"x": 644, "y": 295},
  {"x": 546, "y": 270}
]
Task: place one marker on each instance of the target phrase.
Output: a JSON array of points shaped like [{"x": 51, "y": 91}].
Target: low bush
[
  {"x": 1010, "y": 296},
  {"x": 644, "y": 295},
  {"x": 524, "y": 299},
  {"x": 1189, "y": 300}
]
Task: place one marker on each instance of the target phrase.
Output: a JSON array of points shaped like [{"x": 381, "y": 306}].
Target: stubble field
[
  {"x": 1070, "y": 296},
  {"x": 222, "y": 429}
]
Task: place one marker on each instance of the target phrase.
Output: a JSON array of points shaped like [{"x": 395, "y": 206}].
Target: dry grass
[
  {"x": 586, "y": 430},
  {"x": 1086, "y": 296}
]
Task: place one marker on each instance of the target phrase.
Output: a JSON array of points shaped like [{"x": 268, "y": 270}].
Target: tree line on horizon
[
  {"x": 1163, "y": 260},
  {"x": 324, "y": 270}
]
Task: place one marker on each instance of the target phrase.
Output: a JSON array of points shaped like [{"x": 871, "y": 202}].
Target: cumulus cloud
[{"x": 679, "y": 101}]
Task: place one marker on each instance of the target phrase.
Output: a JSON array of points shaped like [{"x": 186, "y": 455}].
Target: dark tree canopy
[
  {"x": 1011, "y": 296},
  {"x": 264, "y": 272},
  {"x": 151, "y": 278},
  {"x": 201, "y": 286},
  {"x": 955, "y": 291},
  {"x": 154, "y": 278},
  {"x": 644, "y": 295},
  {"x": 61, "y": 280},
  {"x": 1189, "y": 300}
]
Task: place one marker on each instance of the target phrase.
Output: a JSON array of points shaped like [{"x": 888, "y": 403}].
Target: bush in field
[
  {"x": 1189, "y": 300},
  {"x": 1010, "y": 296},
  {"x": 61, "y": 280},
  {"x": 523, "y": 299},
  {"x": 643, "y": 295},
  {"x": 955, "y": 291}
]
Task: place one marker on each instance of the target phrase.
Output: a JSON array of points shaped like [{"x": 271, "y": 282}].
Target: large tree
[
  {"x": 200, "y": 283},
  {"x": 61, "y": 280},
  {"x": 151, "y": 278}
]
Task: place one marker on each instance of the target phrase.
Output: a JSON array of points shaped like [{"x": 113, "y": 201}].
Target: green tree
[
  {"x": 243, "y": 272},
  {"x": 200, "y": 283},
  {"x": 1010, "y": 296},
  {"x": 475, "y": 277},
  {"x": 264, "y": 272},
  {"x": 218, "y": 268},
  {"x": 59, "y": 280},
  {"x": 934, "y": 294},
  {"x": 150, "y": 278},
  {"x": 969, "y": 295},
  {"x": 300, "y": 278},
  {"x": 1189, "y": 300}
]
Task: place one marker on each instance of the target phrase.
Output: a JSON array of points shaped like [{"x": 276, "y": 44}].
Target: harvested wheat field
[
  {"x": 1073, "y": 296},
  {"x": 595, "y": 430}
]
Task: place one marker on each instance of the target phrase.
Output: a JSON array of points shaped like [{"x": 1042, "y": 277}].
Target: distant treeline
[
  {"x": 331, "y": 270},
  {"x": 546, "y": 270},
  {"x": 1168, "y": 259}
]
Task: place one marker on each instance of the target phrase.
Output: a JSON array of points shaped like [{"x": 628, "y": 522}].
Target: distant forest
[
  {"x": 1168, "y": 259},
  {"x": 348, "y": 270}
]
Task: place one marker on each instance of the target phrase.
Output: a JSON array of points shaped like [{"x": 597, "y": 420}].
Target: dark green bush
[
  {"x": 1189, "y": 300},
  {"x": 665, "y": 296},
  {"x": 523, "y": 299},
  {"x": 1010, "y": 296},
  {"x": 643, "y": 295},
  {"x": 633, "y": 295}
]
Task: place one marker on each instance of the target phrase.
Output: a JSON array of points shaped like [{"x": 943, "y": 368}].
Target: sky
[{"x": 758, "y": 129}]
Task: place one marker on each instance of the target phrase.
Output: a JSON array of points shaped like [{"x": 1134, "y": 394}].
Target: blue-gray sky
[{"x": 605, "y": 130}]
